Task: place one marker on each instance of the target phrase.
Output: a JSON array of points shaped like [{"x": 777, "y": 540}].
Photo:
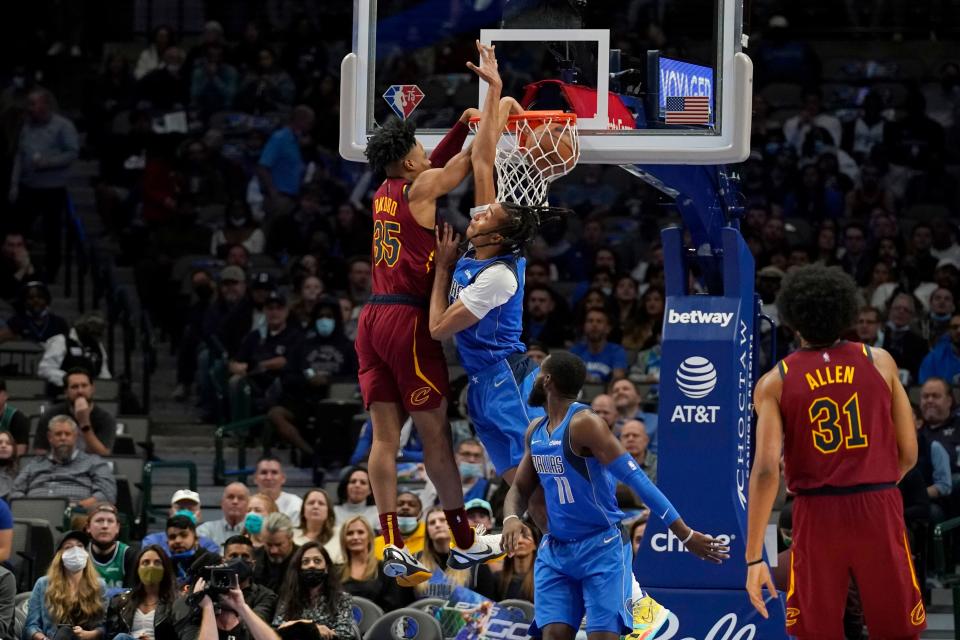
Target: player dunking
[
  {"x": 402, "y": 369},
  {"x": 843, "y": 421},
  {"x": 583, "y": 564}
]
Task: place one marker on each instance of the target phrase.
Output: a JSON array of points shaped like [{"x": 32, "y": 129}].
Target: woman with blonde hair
[
  {"x": 318, "y": 523},
  {"x": 70, "y": 601},
  {"x": 361, "y": 574},
  {"x": 435, "y": 552},
  {"x": 259, "y": 507}
]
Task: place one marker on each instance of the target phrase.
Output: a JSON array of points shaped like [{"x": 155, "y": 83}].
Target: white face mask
[{"x": 74, "y": 559}]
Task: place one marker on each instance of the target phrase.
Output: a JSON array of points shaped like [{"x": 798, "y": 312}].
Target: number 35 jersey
[
  {"x": 837, "y": 426},
  {"x": 580, "y": 494},
  {"x": 402, "y": 251}
]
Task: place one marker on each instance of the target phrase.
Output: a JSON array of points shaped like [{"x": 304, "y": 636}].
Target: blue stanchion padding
[{"x": 717, "y": 614}]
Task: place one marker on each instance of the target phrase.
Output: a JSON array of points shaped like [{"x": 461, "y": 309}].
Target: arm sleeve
[
  {"x": 130, "y": 565},
  {"x": 942, "y": 479},
  {"x": 492, "y": 288},
  {"x": 450, "y": 146},
  {"x": 6, "y": 520},
  {"x": 54, "y": 350},
  {"x": 266, "y": 605},
  {"x": 69, "y": 148},
  {"x": 627, "y": 471},
  {"x": 20, "y": 484},
  {"x": 269, "y": 153},
  {"x": 926, "y": 368}
]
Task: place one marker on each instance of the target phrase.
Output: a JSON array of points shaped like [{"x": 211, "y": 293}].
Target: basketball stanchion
[{"x": 536, "y": 148}]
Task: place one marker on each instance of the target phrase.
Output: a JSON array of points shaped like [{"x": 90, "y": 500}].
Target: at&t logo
[{"x": 696, "y": 377}]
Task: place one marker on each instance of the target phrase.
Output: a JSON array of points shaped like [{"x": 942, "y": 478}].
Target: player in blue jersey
[{"x": 584, "y": 563}]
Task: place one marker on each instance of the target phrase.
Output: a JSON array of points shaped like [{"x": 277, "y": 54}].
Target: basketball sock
[
  {"x": 391, "y": 530},
  {"x": 460, "y": 527}
]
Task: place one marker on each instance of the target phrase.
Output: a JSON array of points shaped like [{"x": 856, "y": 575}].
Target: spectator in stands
[
  {"x": 856, "y": 261},
  {"x": 70, "y": 600},
  {"x": 202, "y": 181},
  {"x": 183, "y": 547},
  {"x": 281, "y": 166},
  {"x": 231, "y": 617},
  {"x": 935, "y": 323},
  {"x": 359, "y": 279},
  {"x": 604, "y": 407},
  {"x": 869, "y": 326},
  {"x": 9, "y": 463},
  {"x": 356, "y": 497},
  {"x": 351, "y": 231},
  {"x": 319, "y": 523},
  {"x": 634, "y": 438},
  {"x": 309, "y": 292},
  {"x": 629, "y": 407},
  {"x": 479, "y": 512},
  {"x": 47, "y": 148},
  {"x": 146, "y": 610},
  {"x": 811, "y": 116},
  {"x": 472, "y": 464},
  {"x": 98, "y": 429},
  {"x": 234, "y": 503},
  {"x": 151, "y": 58},
  {"x": 114, "y": 560},
  {"x": 166, "y": 88},
  {"x": 35, "y": 322},
  {"x": 413, "y": 528},
  {"x": 270, "y": 478},
  {"x": 230, "y": 318},
  {"x": 906, "y": 346},
  {"x": 213, "y": 82},
  {"x": 303, "y": 229},
  {"x": 203, "y": 291},
  {"x": 66, "y": 472},
  {"x": 867, "y": 131},
  {"x": 537, "y": 351},
  {"x": 239, "y": 228},
  {"x": 312, "y": 594},
  {"x": 16, "y": 267},
  {"x": 515, "y": 580},
  {"x": 933, "y": 465},
  {"x": 13, "y": 422},
  {"x": 361, "y": 574},
  {"x": 920, "y": 263},
  {"x": 8, "y": 593},
  {"x": 81, "y": 348},
  {"x": 273, "y": 558},
  {"x": 637, "y": 528},
  {"x": 184, "y": 502},
  {"x": 869, "y": 194},
  {"x": 541, "y": 321},
  {"x": 434, "y": 556},
  {"x": 943, "y": 361},
  {"x": 267, "y": 87},
  {"x": 605, "y": 361},
  {"x": 939, "y": 421},
  {"x": 269, "y": 353},
  {"x": 916, "y": 136},
  {"x": 261, "y": 506},
  {"x": 239, "y": 551}
]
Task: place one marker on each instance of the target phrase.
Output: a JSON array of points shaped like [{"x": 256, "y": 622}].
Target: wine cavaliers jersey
[
  {"x": 403, "y": 251},
  {"x": 837, "y": 426}
]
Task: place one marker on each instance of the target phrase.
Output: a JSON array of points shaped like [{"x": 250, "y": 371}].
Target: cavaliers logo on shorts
[
  {"x": 918, "y": 615},
  {"x": 419, "y": 396}
]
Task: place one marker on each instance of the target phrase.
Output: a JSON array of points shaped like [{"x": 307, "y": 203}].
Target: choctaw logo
[{"x": 419, "y": 396}]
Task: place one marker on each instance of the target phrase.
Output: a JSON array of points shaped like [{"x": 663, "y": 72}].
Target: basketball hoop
[{"x": 536, "y": 148}]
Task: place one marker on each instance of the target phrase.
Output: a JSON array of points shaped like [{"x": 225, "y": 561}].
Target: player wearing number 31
[
  {"x": 840, "y": 416},
  {"x": 584, "y": 564}
]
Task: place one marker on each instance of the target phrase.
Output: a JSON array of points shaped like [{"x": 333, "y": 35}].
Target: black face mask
[
  {"x": 243, "y": 568},
  {"x": 313, "y": 577}
]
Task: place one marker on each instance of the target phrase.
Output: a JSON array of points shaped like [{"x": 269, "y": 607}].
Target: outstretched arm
[
  {"x": 452, "y": 142},
  {"x": 525, "y": 482},
  {"x": 590, "y": 435},
  {"x": 485, "y": 145},
  {"x": 764, "y": 482}
]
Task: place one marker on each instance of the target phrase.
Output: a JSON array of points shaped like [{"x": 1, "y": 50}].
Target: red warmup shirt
[
  {"x": 403, "y": 251},
  {"x": 838, "y": 429}
]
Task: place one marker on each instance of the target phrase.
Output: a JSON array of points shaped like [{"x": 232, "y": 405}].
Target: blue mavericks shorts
[
  {"x": 497, "y": 403},
  {"x": 593, "y": 575}
]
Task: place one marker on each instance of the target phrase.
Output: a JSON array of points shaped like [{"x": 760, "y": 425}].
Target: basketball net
[{"x": 527, "y": 157}]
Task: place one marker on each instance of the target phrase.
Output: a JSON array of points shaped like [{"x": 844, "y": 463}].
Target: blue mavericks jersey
[
  {"x": 580, "y": 493},
  {"x": 497, "y": 335}
]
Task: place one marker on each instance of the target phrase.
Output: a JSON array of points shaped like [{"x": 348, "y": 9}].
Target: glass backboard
[{"x": 662, "y": 81}]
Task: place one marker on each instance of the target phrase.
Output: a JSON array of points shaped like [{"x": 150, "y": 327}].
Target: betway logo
[{"x": 699, "y": 317}]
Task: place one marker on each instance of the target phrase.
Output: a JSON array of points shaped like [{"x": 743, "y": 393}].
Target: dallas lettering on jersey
[
  {"x": 700, "y": 317},
  {"x": 551, "y": 465}
]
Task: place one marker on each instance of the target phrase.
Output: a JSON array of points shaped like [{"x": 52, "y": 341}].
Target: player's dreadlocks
[
  {"x": 523, "y": 222},
  {"x": 390, "y": 143}
]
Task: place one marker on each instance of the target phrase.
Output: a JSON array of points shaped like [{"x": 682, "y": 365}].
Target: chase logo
[
  {"x": 403, "y": 99},
  {"x": 696, "y": 377}
]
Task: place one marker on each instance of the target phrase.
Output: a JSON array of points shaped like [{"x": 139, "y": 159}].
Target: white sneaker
[
  {"x": 399, "y": 564},
  {"x": 484, "y": 548}
]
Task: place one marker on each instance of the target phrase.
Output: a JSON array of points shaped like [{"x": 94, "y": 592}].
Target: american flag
[{"x": 688, "y": 110}]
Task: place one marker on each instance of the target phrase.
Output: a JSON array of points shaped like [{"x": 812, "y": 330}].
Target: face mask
[
  {"x": 253, "y": 523},
  {"x": 243, "y": 568},
  {"x": 407, "y": 524},
  {"x": 237, "y": 222},
  {"x": 150, "y": 575},
  {"x": 607, "y": 290},
  {"x": 313, "y": 577},
  {"x": 325, "y": 326},
  {"x": 940, "y": 317},
  {"x": 74, "y": 559},
  {"x": 469, "y": 470}
]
